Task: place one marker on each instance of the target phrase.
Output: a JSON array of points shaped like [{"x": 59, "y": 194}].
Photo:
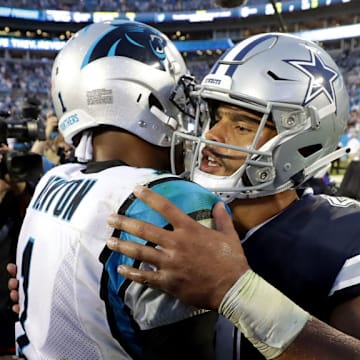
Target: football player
[
  {"x": 111, "y": 87},
  {"x": 276, "y": 107}
]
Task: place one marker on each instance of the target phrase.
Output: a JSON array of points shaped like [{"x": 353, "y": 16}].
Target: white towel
[{"x": 84, "y": 151}]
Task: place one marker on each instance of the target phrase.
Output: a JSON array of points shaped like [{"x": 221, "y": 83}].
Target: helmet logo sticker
[
  {"x": 130, "y": 40},
  {"x": 321, "y": 77}
]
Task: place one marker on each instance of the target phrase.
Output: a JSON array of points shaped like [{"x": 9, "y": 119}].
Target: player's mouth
[{"x": 210, "y": 161}]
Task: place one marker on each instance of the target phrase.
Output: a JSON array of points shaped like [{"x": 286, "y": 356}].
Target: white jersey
[{"x": 74, "y": 304}]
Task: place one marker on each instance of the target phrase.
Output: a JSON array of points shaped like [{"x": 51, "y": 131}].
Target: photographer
[
  {"x": 19, "y": 172},
  {"x": 14, "y": 198},
  {"x": 53, "y": 149}
]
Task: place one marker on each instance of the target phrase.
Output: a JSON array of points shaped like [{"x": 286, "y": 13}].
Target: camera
[{"x": 20, "y": 165}]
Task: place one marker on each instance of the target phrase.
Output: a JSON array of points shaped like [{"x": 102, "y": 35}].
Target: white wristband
[{"x": 264, "y": 315}]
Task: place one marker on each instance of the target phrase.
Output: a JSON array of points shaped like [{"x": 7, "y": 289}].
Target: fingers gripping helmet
[
  {"x": 118, "y": 73},
  {"x": 292, "y": 82}
]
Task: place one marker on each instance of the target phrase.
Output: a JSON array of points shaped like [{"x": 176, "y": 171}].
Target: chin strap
[{"x": 84, "y": 151}]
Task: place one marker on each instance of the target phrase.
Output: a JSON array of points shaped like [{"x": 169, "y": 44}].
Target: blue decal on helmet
[
  {"x": 157, "y": 46},
  {"x": 136, "y": 41},
  {"x": 132, "y": 41},
  {"x": 112, "y": 50},
  {"x": 243, "y": 52},
  {"x": 236, "y": 57},
  {"x": 321, "y": 77}
]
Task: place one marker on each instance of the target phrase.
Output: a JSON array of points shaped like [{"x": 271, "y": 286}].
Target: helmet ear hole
[
  {"x": 310, "y": 150},
  {"x": 153, "y": 101}
]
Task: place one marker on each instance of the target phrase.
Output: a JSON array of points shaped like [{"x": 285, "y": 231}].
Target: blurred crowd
[
  {"x": 118, "y": 5},
  {"x": 21, "y": 78},
  {"x": 350, "y": 64}
]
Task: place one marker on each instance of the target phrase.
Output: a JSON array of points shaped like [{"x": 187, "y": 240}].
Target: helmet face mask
[
  {"x": 118, "y": 73},
  {"x": 295, "y": 84}
]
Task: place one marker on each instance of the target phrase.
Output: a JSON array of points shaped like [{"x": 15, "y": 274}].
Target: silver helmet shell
[
  {"x": 297, "y": 85},
  {"x": 118, "y": 73}
]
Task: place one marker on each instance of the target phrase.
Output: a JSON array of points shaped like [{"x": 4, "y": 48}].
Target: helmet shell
[{"x": 118, "y": 73}]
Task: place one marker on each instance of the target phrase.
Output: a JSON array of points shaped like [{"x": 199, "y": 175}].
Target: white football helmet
[
  {"x": 292, "y": 82},
  {"x": 118, "y": 73}
]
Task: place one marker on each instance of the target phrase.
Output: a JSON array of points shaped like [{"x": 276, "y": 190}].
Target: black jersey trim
[
  {"x": 97, "y": 166},
  {"x": 104, "y": 256}
]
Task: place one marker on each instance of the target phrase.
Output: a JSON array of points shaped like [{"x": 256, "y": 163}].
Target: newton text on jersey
[{"x": 61, "y": 198}]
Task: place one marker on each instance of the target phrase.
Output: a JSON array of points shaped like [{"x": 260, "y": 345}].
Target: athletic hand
[
  {"x": 194, "y": 263},
  {"x": 13, "y": 285}
]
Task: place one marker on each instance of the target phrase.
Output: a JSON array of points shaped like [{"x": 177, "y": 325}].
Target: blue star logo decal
[{"x": 321, "y": 77}]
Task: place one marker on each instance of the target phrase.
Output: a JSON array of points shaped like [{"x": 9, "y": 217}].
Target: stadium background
[{"x": 32, "y": 31}]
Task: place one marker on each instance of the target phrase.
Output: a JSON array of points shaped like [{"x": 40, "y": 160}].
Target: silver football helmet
[
  {"x": 295, "y": 84},
  {"x": 118, "y": 73}
]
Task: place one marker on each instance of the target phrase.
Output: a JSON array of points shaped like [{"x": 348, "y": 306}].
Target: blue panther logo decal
[{"x": 131, "y": 40}]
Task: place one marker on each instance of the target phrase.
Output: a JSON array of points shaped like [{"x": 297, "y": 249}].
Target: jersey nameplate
[{"x": 61, "y": 198}]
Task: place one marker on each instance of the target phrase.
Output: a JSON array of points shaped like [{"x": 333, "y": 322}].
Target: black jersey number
[{"x": 23, "y": 340}]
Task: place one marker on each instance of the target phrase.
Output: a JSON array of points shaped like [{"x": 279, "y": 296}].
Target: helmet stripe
[
  {"x": 238, "y": 53},
  {"x": 244, "y": 51}
]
